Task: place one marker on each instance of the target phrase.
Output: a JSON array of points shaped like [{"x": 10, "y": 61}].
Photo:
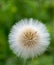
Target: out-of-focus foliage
[{"x": 12, "y": 11}]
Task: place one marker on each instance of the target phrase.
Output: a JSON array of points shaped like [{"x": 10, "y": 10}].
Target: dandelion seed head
[{"x": 29, "y": 38}]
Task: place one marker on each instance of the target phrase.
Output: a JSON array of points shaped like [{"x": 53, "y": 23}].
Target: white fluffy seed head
[{"x": 29, "y": 38}]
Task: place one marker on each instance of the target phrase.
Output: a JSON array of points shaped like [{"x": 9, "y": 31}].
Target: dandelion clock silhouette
[{"x": 29, "y": 38}]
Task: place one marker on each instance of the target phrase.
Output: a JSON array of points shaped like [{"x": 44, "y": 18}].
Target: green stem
[
  {"x": 24, "y": 62},
  {"x": 33, "y": 61}
]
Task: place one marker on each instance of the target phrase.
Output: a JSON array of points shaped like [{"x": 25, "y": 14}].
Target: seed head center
[
  {"x": 29, "y": 34},
  {"x": 29, "y": 37}
]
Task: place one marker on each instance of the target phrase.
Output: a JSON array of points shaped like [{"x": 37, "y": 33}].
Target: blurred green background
[{"x": 12, "y": 11}]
